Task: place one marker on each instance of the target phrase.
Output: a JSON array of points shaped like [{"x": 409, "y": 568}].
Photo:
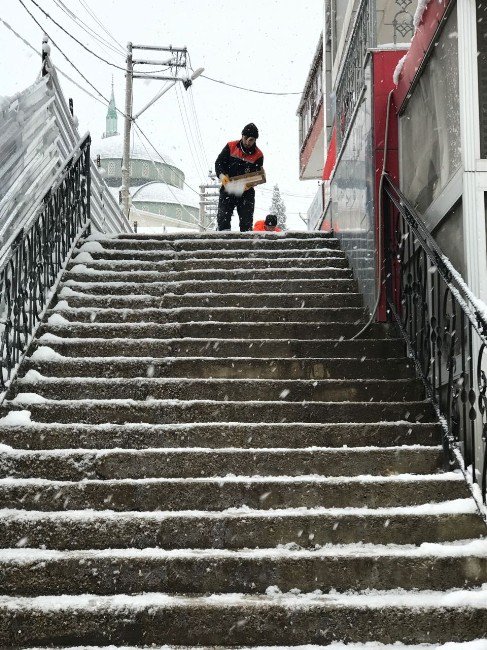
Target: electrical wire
[
  {"x": 136, "y": 125},
  {"x": 196, "y": 120},
  {"x": 189, "y": 137},
  {"x": 86, "y": 28},
  {"x": 29, "y": 45},
  {"x": 67, "y": 58},
  {"x": 85, "y": 47},
  {"x": 106, "y": 100},
  {"x": 197, "y": 124},
  {"x": 250, "y": 90},
  {"x": 194, "y": 220},
  {"x": 100, "y": 24}
]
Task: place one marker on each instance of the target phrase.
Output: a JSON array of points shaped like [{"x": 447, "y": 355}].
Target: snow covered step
[
  {"x": 231, "y": 367},
  {"x": 239, "y": 619},
  {"x": 120, "y": 411},
  {"x": 83, "y": 273},
  {"x": 214, "y": 330},
  {"x": 199, "y": 264},
  {"x": 20, "y": 432},
  {"x": 79, "y": 464},
  {"x": 222, "y": 492},
  {"x": 225, "y": 235},
  {"x": 97, "y": 251},
  {"x": 356, "y": 567},
  {"x": 478, "y": 644},
  {"x": 218, "y": 347},
  {"x": 167, "y": 388},
  {"x": 268, "y": 301},
  {"x": 303, "y": 285},
  {"x": 220, "y": 243},
  {"x": 201, "y": 314},
  {"x": 237, "y": 528}
]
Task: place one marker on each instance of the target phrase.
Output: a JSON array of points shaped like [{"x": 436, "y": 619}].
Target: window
[{"x": 430, "y": 125}]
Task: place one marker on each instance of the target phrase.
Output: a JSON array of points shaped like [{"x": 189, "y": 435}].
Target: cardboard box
[{"x": 251, "y": 180}]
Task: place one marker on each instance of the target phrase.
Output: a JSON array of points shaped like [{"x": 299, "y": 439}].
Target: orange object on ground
[{"x": 259, "y": 226}]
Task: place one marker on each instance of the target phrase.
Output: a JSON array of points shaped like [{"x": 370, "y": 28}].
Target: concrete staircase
[{"x": 195, "y": 455}]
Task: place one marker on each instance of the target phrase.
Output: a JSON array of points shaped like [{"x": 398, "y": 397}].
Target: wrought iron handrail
[
  {"x": 37, "y": 256},
  {"x": 444, "y": 327}
]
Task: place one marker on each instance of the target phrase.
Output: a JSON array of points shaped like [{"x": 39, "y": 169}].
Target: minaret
[{"x": 111, "y": 119}]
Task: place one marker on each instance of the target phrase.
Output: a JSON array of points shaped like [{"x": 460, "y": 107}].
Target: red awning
[{"x": 331, "y": 156}]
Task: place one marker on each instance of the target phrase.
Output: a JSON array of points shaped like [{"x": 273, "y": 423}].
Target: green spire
[{"x": 111, "y": 119}]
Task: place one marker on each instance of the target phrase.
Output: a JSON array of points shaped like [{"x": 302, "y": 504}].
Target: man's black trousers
[{"x": 245, "y": 209}]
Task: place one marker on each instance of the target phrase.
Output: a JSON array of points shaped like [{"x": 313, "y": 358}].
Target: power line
[
  {"x": 95, "y": 18},
  {"x": 250, "y": 90},
  {"x": 189, "y": 138},
  {"x": 86, "y": 28},
  {"x": 194, "y": 220},
  {"x": 29, "y": 45},
  {"x": 113, "y": 65},
  {"x": 161, "y": 156},
  {"x": 197, "y": 125},
  {"x": 65, "y": 56}
]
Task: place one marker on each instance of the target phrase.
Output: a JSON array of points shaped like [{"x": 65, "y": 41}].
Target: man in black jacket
[{"x": 236, "y": 158}]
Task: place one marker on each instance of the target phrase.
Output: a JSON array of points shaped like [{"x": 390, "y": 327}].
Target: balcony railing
[
  {"x": 445, "y": 327},
  {"x": 351, "y": 76}
]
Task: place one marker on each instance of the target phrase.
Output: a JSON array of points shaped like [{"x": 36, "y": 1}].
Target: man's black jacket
[{"x": 234, "y": 160}]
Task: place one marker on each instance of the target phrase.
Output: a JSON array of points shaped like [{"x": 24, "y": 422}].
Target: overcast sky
[{"x": 262, "y": 44}]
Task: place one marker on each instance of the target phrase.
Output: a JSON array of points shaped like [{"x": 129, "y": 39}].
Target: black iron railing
[
  {"x": 444, "y": 326},
  {"x": 37, "y": 256}
]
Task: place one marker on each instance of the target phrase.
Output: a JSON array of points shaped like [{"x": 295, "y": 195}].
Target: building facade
[
  {"x": 404, "y": 96},
  {"x": 158, "y": 195}
]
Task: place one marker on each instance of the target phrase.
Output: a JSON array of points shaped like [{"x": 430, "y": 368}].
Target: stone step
[
  {"x": 170, "y": 388},
  {"x": 244, "y": 435},
  {"x": 214, "y": 235},
  {"x": 304, "y": 285},
  {"x": 211, "y": 264},
  {"x": 240, "y": 619},
  {"x": 82, "y": 273},
  {"x": 230, "y": 367},
  {"x": 219, "y": 493},
  {"x": 221, "y": 243},
  {"x": 201, "y": 314},
  {"x": 477, "y": 644},
  {"x": 79, "y": 464},
  {"x": 221, "y": 348},
  {"x": 222, "y": 330},
  {"x": 241, "y": 254},
  {"x": 246, "y": 528},
  {"x": 36, "y": 572},
  {"x": 120, "y": 411},
  {"x": 228, "y": 300}
]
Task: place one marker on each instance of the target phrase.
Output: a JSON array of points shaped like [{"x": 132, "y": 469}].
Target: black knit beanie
[{"x": 250, "y": 131}]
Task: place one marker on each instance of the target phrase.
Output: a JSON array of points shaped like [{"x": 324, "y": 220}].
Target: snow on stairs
[{"x": 195, "y": 454}]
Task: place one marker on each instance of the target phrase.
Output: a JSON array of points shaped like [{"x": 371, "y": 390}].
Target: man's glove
[{"x": 224, "y": 179}]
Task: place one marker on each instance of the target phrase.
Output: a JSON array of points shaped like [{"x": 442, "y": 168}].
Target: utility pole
[
  {"x": 126, "y": 133},
  {"x": 209, "y": 194},
  {"x": 177, "y": 60}
]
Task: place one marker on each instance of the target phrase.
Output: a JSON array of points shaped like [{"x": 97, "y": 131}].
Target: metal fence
[
  {"x": 445, "y": 327},
  {"x": 37, "y": 256}
]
